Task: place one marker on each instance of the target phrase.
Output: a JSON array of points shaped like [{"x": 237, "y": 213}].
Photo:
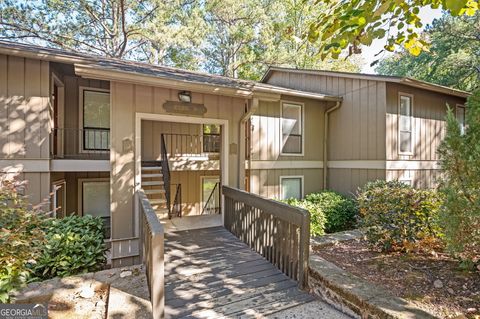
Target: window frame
[
  {"x": 464, "y": 127},
  {"x": 302, "y": 184},
  {"x": 302, "y": 113},
  {"x": 412, "y": 124},
  {"x": 56, "y": 185},
  {"x": 202, "y": 178},
  {"x": 80, "y": 197},
  {"x": 202, "y": 133},
  {"x": 81, "y": 93}
]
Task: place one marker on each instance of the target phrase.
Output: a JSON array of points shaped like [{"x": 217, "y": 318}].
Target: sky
[{"x": 427, "y": 15}]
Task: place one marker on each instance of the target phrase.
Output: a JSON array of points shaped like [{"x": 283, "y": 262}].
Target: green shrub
[
  {"x": 20, "y": 237},
  {"x": 329, "y": 212},
  {"x": 317, "y": 216},
  {"x": 74, "y": 245},
  {"x": 340, "y": 211},
  {"x": 396, "y": 215}
]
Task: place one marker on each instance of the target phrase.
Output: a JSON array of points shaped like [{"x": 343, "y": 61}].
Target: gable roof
[
  {"x": 375, "y": 77},
  {"x": 104, "y": 68}
]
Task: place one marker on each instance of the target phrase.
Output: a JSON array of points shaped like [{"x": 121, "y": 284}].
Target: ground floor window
[
  {"x": 95, "y": 200},
  {"x": 291, "y": 187},
  {"x": 210, "y": 194}
]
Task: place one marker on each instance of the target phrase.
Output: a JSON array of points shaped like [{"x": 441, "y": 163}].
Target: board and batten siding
[
  {"x": 128, "y": 99},
  {"x": 356, "y": 130},
  {"x": 266, "y": 182},
  {"x": 429, "y": 127},
  {"x": 25, "y": 120}
]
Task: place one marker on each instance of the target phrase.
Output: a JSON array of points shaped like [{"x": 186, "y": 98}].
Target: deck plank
[{"x": 209, "y": 273}]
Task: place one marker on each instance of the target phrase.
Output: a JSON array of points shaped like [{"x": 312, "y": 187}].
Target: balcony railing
[
  {"x": 192, "y": 145},
  {"x": 87, "y": 143}
]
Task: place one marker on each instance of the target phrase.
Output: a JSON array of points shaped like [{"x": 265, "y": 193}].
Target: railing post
[{"x": 304, "y": 252}]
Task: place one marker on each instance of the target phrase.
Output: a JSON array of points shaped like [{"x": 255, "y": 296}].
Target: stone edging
[{"x": 353, "y": 295}]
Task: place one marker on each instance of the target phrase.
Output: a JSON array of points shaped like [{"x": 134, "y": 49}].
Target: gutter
[
  {"x": 241, "y": 154},
  {"x": 325, "y": 142}
]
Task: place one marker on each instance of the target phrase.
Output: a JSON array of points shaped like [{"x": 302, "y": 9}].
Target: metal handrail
[
  {"x": 166, "y": 173},
  {"x": 192, "y": 145},
  {"x": 77, "y": 143},
  {"x": 212, "y": 193},
  {"x": 177, "y": 201}
]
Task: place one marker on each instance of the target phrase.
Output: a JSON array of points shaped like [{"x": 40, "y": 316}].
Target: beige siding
[
  {"x": 151, "y": 133},
  {"x": 266, "y": 139},
  {"x": 347, "y": 180},
  {"x": 429, "y": 111},
  {"x": 357, "y": 130},
  {"x": 25, "y": 119},
  {"x": 267, "y": 182},
  {"x": 424, "y": 178},
  {"x": 191, "y": 189},
  {"x": 126, "y": 100}
]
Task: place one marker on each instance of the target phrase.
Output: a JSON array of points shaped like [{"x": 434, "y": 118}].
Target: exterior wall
[
  {"x": 25, "y": 122},
  {"x": 191, "y": 189},
  {"x": 429, "y": 111},
  {"x": 71, "y": 187},
  {"x": 266, "y": 182},
  {"x": 126, "y": 100},
  {"x": 356, "y": 130},
  {"x": 348, "y": 180}
]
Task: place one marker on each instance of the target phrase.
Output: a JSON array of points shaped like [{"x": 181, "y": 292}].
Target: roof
[
  {"x": 375, "y": 77},
  {"x": 100, "y": 67}
]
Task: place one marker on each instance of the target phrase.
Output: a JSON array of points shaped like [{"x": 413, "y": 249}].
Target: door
[{"x": 210, "y": 195}]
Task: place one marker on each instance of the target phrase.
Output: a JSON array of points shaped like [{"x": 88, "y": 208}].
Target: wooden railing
[
  {"x": 153, "y": 254},
  {"x": 279, "y": 232}
]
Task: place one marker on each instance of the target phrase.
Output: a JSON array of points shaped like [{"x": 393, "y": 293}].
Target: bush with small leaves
[{"x": 396, "y": 216}]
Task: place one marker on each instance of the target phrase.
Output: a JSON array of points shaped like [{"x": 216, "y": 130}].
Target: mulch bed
[{"x": 431, "y": 280}]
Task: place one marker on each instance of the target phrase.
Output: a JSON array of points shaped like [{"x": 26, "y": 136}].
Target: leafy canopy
[
  {"x": 352, "y": 23},
  {"x": 454, "y": 57}
]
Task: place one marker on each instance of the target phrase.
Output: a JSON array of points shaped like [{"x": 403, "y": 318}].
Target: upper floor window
[
  {"x": 211, "y": 138},
  {"x": 460, "y": 114},
  {"x": 292, "y": 129},
  {"x": 405, "y": 124},
  {"x": 96, "y": 119}
]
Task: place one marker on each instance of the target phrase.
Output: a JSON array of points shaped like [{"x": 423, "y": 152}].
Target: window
[
  {"x": 292, "y": 128},
  {"x": 460, "y": 114},
  {"x": 291, "y": 187},
  {"x": 95, "y": 200},
  {"x": 211, "y": 138},
  {"x": 96, "y": 120},
  {"x": 405, "y": 129}
]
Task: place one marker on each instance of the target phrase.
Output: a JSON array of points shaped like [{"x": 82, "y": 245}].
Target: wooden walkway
[{"x": 209, "y": 273}]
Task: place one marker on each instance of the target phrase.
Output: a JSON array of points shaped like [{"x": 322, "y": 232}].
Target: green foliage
[
  {"x": 460, "y": 160},
  {"x": 396, "y": 215},
  {"x": 73, "y": 245},
  {"x": 329, "y": 212},
  {"x": 20, "y": 237},
  {"x": 453, "y": 60},
  {"x": 340, "y": 211},
  {"x": 350, "y": 24}
]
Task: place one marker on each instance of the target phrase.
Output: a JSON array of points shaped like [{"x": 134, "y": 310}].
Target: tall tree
[
  {"x": 453, "y": 59},
  {"x": 345, "y": 25}
]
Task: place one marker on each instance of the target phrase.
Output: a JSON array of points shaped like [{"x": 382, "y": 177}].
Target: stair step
[
  {"x": 157, "y": 201},
  {"x": 152, "y": 183},
  {"x": 151, "y": 175},
  {"x": 151, "y": 168},
  {"x": 154, "y": 191}
]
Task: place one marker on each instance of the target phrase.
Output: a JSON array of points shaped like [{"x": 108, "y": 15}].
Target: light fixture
[{"x": 185, "y": 96}]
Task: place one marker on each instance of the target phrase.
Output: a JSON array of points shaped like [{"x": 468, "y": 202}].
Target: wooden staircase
[{"x": 153, "y": 184}]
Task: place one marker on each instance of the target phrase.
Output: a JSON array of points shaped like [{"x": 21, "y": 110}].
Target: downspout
[
  {"x": 325, "y": 143},
  {"x": 241, "y": 154}
]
